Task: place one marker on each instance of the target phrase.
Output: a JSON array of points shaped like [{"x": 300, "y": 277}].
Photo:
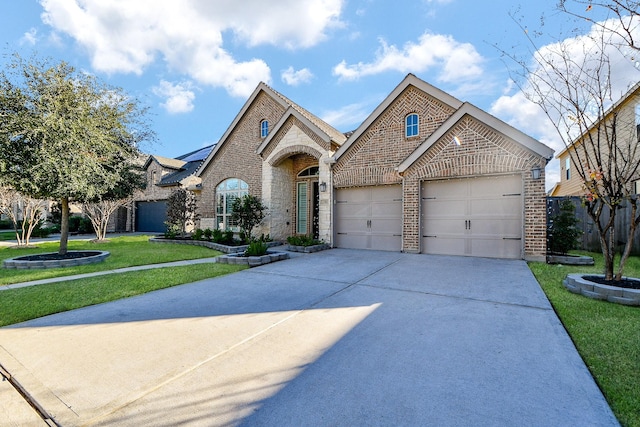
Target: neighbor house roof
[{"x": 184, "y": 165}]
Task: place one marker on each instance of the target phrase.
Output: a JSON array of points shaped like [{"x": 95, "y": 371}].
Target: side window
[
  {"x": 411, "y": 125},
  {"x": 638, "y": 122},
  {"x": 264, "y": 129},
  {"x": 568, "y": 168},
  {"x": 226, "y": 192}
]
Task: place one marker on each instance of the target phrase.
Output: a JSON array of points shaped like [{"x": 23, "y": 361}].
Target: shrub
[
  {"x": 74, "y": 223},
  {"x": 256, "y": 248},
  {"x": 562, "y": 231},
  {"x": 222, "y": 237},
  {"x": 303, "y": 240},
  {"x": 85, "y": 226},
  {"x": 172, "y": 230},
  {"x": 248, "y": 212},
  {"x": 208, "y": 233},
  {"x": 198, "y": 234},
  {"x": 6, "y": 224}
]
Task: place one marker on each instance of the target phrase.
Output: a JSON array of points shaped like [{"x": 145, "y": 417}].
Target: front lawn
[
  {"x": 606, "y": 335},
  {"x": 126, "y": 251},
  {"x": 19, "y": 305}
]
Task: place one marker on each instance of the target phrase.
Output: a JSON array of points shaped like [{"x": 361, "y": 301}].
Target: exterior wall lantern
[
  {"x": 323, "y": 186},
  {"x": 535, "y": 173}
]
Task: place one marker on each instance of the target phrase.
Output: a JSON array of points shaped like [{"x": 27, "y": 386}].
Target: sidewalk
[{"x": 103, "y": 273}]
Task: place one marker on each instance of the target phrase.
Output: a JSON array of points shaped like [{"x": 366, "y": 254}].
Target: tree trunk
[{"x": 64, "y": 226}]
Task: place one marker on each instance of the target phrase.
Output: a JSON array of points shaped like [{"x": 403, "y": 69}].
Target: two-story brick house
[{"x": 424, "y": 173}]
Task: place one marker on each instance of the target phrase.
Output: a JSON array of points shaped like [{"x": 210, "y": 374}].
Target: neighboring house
[
  {"x": 163, "y": 176},
  {"x": 424, "y": 173},
  {"x": 627, "y": 119}
]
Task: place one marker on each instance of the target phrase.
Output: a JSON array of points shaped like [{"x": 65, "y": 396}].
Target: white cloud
[
  {"x": 457, "y": 61},
  {"x": 179, "y": 97},
  {"x": 523, "y": 114},
  {"x": 30, "y": 37},
  {"x": 348, "y": 117},
  {"x": 295, "y": 78},
  {"x": 125, "y": 36}
]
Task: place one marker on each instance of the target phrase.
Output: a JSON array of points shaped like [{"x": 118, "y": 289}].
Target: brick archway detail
[{"x": 294, "y": 149}]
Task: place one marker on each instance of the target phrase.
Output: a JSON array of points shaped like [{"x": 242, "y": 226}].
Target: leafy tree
[
  {"x": 248, "y": 212},
  {"x": 64, "y": 135},
  {"x": 573, "y": 85},
  {"x": 181, "y": 209}
]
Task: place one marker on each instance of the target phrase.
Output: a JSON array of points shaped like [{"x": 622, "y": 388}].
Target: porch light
[
  {"x": 535, "y": 173},
  {"x": 323, "y": 186}
]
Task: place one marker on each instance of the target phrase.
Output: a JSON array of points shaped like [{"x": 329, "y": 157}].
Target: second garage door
[
  {"x": 473, "y": 217},
  {"x": 369, "y": 218},
  {"x": 150, "y": 216}
]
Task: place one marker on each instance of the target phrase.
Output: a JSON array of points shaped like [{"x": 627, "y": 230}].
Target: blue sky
[{"x": 194, "y": 62}]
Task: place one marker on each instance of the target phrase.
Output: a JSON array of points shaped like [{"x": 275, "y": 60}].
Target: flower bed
[
  {"x": 308, "y": 249},
  {"x": 53, "y": 260},
  {"x": 252, "y": 261},
  {"x": 211, "y": 245},
  {"x": 578, "y": 284}
]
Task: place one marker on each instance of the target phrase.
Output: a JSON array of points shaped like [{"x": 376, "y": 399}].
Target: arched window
[
  {"x": 264, "y": 128},
  {"x": 308, "y": 172},
  {"x": 411, "y": 125},
  {"x": 226, "y": 192}
]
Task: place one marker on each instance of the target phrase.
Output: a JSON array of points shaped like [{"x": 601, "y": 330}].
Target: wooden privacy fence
[{"x": 590, "y": 240}]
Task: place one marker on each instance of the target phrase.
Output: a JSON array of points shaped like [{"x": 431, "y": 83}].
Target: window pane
[{"x": 301, "y": 223}]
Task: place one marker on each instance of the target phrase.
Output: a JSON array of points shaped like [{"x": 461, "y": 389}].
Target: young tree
[
  {"x": 571, "y": 81},
  {"x": 248, "y": 212},
  {"x": 64, "y": 135},
  {"x": 99, "y": 210},
  {"x": 181, "y": 209},
  {"x": 23, "y": 211}
]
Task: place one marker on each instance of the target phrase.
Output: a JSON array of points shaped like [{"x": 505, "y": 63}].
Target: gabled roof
[
  {"x": 334, "y": 135},
  {"x": 483, "y": 117},
  {"x": 631, "y": 92},
  {"x": 409, "y": 80},
  {"x": 287, "y": 104},
  {"x": 165, "y": 162},
  {"x": 184, "y": 165}
]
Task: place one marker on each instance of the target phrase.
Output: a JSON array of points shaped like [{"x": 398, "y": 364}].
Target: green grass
[
  {"x": 19, "y": 305},
  {"x": 126, "y": 251},
  {"x": 7, "y": 235},
  {"x": 606, "y": 335}
]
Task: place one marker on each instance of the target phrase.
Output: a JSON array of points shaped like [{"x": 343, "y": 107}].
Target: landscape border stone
[
  {"x": 211, "y": 245},
  {"x": 578, "y": 285},
  {"x": 308, "y": 249},
  {"x": 252, "y": 261},
  {"x": 16, "y": 263}
]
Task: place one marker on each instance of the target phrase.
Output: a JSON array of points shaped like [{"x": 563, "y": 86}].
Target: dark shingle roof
[{"x": 190, "y": 164}]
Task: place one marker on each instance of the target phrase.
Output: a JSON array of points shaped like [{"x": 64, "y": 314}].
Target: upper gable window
[
  {"x": 264, "y": 128},
  {"x": 411, "y": 125},
  {"x": 567, "y": 166}
]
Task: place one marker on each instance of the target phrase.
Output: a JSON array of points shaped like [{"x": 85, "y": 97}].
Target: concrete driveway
[{"x": 339, "y": 338}]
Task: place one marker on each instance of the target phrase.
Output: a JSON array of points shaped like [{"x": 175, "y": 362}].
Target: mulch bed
[
  {"x": 624, "y": 283},
  {"x": 54, "y": 256}
]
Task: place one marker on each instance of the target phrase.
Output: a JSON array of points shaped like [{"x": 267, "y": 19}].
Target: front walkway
[{"x": 339, "y": 337}]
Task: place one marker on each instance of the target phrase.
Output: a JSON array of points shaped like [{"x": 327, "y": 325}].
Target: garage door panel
[
  {"x": 151, "y": 216},
  {"x": 473, "y": 216},
  {"x": 369, "y": 218}
]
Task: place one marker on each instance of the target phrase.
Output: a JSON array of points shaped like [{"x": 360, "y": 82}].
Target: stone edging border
[
  {"x": 576, "y": 284},
  {"x": 252, "y": 261},
  {"x": 73, "y": 262},
  {"x": 308, "y": 249},
  {"x": 211, "y": 245},
  {"x": 570, "y": 259}
]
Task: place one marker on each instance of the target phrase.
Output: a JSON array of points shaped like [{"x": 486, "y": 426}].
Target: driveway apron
[{"x": 339, "y": 337}]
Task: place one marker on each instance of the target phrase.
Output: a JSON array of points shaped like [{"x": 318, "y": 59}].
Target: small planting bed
[
  {"x": 308, "y": 249},
  {"x": 211, "y": 245},
  {"x": 55, "y": 260},
  {"x": 594, "y": 286},
  {"x": 252, "y": 261}
]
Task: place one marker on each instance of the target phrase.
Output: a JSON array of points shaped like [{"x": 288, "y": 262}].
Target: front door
[{"x": 307, "y": 208}]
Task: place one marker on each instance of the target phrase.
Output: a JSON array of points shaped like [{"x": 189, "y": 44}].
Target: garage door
[
  {"x": 473, "y": 217},
  {"x": 369, "y": 218},
  {"x": 151, "y": 216}
]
